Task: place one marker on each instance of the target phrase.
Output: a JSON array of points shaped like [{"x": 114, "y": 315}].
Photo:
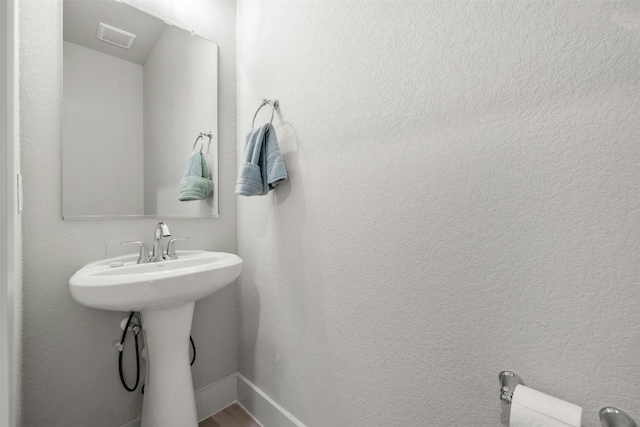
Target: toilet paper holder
[
  {"x": 508, "y": 383},
  {"x": 614, "y": 417},
  {"x": 609, "y": 416}
]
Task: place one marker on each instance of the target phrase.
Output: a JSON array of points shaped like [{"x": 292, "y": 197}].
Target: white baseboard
[
  {"x": 217, "y": 396},
  {"x": 261, "y": 407},
  {"x": 210, "y": 399},
  {"x": 134, "y": 423},
  {"x": 236, "y": 388}
]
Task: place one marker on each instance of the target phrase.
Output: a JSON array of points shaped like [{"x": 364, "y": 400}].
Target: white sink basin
[
  {"x": 122, "y": 285},
  {"x": 164, "y": 293}
]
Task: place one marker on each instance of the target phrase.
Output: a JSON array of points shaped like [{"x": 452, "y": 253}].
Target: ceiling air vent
[{"x": 115, "y": 36}]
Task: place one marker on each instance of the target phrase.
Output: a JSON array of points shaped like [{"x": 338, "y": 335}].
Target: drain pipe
[
  {"x": 135, "y": 328},
  {"x": 133, "y": 324}
]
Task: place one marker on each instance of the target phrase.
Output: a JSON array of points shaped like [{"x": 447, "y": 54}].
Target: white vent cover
[{"x": 115, "y": 36}]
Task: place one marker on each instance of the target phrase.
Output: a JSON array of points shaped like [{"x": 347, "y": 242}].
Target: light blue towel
[
  {"x": 263, "y": 167},
  {"x": 196, "y": 183}
]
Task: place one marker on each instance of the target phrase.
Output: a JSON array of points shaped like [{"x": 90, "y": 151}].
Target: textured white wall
[
  {"x": 102, "y": 150},
  {"x": 463, "y": 199},
  {"x": 70, "y": 375}
]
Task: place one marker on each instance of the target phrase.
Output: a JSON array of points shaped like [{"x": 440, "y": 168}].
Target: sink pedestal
[{"x": 169, "y": 400}]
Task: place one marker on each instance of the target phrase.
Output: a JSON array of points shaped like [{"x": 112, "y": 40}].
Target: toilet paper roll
[{"x": 531, "y": 408}]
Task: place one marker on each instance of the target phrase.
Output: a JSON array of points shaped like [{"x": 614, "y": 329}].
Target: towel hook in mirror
[
  {"x": 201, "y": 137},
  {"x": 196, "y": 143},
  {"x": 274, "y": 106}
]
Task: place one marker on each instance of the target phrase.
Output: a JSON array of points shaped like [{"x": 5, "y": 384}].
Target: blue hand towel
[
  {"x": 263, "y": 167},
  {"x": 196, "y": 183}
]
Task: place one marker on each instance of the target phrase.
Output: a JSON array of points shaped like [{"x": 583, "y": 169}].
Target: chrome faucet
[
  {"x": 157, "y": 254},
  {"x": 161, "y": 231}
]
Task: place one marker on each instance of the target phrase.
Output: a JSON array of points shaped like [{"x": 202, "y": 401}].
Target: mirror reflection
[{"x": 137, "y": 94}]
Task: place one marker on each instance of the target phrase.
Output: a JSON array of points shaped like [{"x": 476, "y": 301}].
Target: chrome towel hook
[{"x": 274, "y": 106}]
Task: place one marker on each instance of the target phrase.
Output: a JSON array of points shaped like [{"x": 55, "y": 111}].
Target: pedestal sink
[{"x": 165, "y": 293}]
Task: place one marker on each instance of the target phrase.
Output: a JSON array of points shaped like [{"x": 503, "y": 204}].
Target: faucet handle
[
  {"x": 171, "y": 247},
  {"x": 143, "y": 256}
]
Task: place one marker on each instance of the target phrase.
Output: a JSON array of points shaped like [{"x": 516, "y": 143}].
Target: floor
[{"x": 231, "y": 416}]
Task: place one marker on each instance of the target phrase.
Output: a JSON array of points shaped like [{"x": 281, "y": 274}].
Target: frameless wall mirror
[{"x": 137, "y": 94}]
